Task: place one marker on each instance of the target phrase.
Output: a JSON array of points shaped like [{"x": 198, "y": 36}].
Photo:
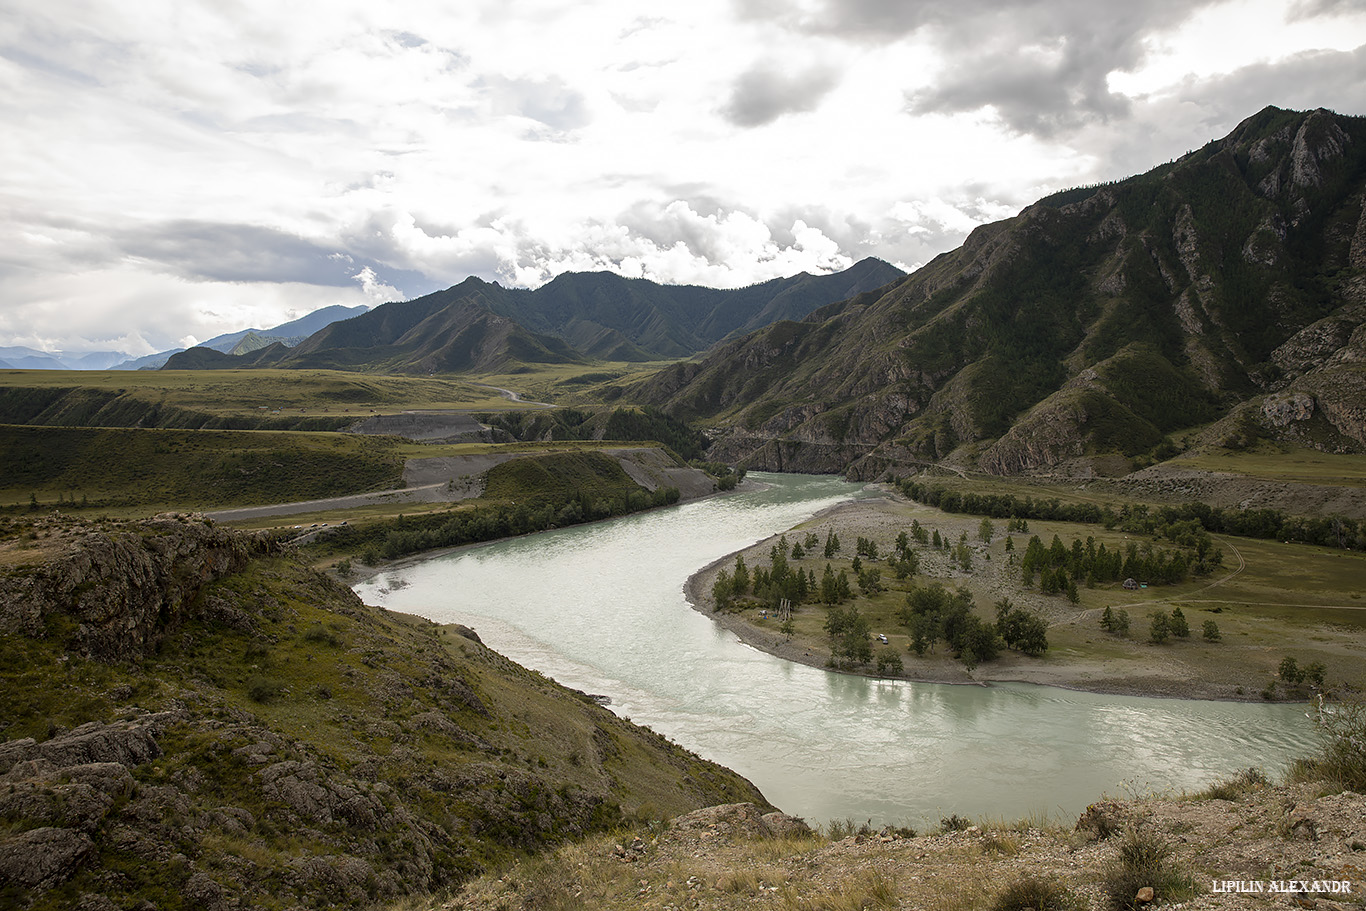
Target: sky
[{"x": 174, "y": 169}]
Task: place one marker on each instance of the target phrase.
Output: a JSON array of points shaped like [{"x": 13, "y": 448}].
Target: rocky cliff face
[
  {"x": 1076, "y": 335},
  {"x": 125, "y": 585}
]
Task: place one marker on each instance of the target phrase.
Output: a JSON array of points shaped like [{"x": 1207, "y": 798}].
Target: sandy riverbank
[{"x": 1081, "y": 656}]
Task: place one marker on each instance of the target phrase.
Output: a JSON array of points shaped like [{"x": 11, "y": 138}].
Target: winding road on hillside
[{"x": 513, "y": 396}]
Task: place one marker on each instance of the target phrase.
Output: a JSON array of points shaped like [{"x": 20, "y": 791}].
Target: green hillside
[{"x": 267, "y": 740}]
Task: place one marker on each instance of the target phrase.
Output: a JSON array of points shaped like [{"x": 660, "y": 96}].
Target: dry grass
[{"x": 865, "y": 890}]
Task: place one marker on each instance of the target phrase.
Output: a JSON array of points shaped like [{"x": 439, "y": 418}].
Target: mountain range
[
  {"x": 479, "y": 326},
  {"x": 19, "y": 357},
  {"x": 1216, "y": 299}
]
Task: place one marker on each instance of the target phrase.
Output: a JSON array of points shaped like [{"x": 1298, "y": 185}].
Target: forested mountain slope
[{"x": 1227, "y": 286}]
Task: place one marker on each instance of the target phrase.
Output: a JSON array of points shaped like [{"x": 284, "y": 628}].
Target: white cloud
[{"x": 375, "y": 290}]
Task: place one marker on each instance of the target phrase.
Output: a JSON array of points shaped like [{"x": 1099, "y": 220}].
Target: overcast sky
[{"x": 174, "y": 169}]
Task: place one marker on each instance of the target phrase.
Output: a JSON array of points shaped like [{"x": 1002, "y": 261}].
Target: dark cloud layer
[
  {"x": 205, "y": 251},
  {"x": 1042, "y": 67},
  {"x": 1299, "y": 82},
  {"x": 209, "y": 251},
  {"x": 766, "y": 92},
  {"x": 191, "y": 176}
]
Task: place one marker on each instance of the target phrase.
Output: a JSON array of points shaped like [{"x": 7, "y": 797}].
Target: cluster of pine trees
[
  {"x": 933, "y": 613},
  {"x": 780, "y": 580},
  {"x": 1060, "y": 567}
]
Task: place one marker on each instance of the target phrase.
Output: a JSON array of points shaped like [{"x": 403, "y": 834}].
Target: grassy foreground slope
[
  {"x": 1184, "y": 850},
  {"x": 195, "y": 719}
]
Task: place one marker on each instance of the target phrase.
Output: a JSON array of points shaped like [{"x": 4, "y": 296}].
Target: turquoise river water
[{"x": 601, "y": 608}]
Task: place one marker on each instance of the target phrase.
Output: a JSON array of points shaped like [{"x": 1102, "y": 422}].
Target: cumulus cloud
[
  {"x": 376, "y": 290},
  {"x": 767, "y": 91}
]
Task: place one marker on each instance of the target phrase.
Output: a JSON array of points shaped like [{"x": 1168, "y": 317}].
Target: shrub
[
  {"x": 888, "y": 662},
  {"x": 1244, "y": 782},
  {"x": 1342, "y": 754},
  {"x": 1314, "y": 672},
  {"x": 1178, "y": 625},
  {"x": 1159, "y": 628},
  {"x": 1033, "y": 893},
  {"x": 321, "y": 635},
  {"x": 1211, "y": 632},
  {"x": 1144, "y": 859},
  {"x": 263, "y": 690},
  {"x": 1023, "y": 630},
  {"x": 839, "y": 829},
  {"x": 954, "y": 823}
]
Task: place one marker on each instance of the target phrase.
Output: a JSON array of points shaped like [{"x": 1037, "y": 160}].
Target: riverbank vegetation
[
  {"x": 1208, "y": 849},
  {"x": 521, "y": 496},
  {"x": 1142, "y": 519}
]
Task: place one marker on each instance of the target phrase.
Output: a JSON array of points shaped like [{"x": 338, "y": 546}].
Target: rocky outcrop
[
  {"x": 92, "y": 745},
  {"x": 124, "y": 584},
  {"x": 1052, "y": 435},
  {"x": 1286, "y": 408},
  {"x": 63, "y": 789},
  {"x": 1316, "y": 343},
  {"x": 307, "y": 790},
  {"x": 736, "y": 821},
  {"x": 787, "y": 455},
  {"x": 41, "y": 858}
]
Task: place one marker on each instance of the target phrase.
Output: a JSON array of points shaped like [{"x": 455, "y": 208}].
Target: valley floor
[{"x": 1267, "y": 606}]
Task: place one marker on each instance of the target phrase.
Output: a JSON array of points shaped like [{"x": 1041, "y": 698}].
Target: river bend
[{"x": 601, "y": 608}]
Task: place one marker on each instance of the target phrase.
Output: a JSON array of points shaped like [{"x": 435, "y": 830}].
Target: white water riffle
[{"x": 601, "y": 608}]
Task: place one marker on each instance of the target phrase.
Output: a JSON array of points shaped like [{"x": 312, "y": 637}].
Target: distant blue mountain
[{"x": 288, "y": 334}]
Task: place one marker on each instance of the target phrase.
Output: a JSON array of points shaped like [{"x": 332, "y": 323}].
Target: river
[{"x": 601, "y": 608}]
